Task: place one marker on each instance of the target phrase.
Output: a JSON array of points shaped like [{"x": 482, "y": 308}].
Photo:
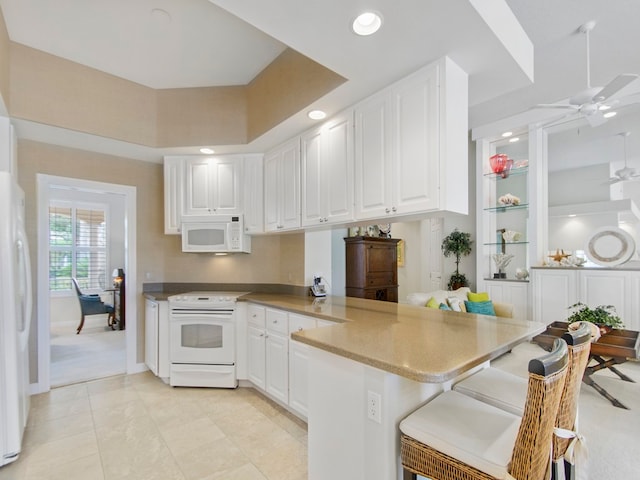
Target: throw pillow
[
  {"x": 455, "y": 303},
  {"x": 444, "y": 306},
  {"x": 433, "y": 303},
  {"x": 478, "y": 297},
  {"x": 483, "y": 308}
]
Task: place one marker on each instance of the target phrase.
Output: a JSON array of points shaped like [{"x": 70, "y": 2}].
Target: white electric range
[{"x": 202, "y": 339}]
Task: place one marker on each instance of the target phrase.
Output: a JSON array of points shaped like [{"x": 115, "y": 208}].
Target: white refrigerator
[{"x": 15, "y": 319}]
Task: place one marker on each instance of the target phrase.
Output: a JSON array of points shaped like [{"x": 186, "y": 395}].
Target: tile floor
[{"x": 136, "y": 427}]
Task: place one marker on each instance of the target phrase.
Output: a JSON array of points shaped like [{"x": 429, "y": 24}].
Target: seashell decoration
[{"x": 508, "y": 200}]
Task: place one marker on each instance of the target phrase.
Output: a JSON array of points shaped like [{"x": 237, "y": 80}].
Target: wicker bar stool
[
  {"x": 456, "y": 437},
  {"x": 508, "y": 392}
]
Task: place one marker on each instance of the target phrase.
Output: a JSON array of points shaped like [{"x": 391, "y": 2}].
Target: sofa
[{"x": 453, "y": 299}]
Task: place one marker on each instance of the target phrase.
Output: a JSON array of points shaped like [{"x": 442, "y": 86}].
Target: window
[{"x": 77, "y": 247}]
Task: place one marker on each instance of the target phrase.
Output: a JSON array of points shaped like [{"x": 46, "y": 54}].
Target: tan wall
[
  {"x": 4, "y": 63},
  {"x": 273, "y": 259},
  {"x": 202, "y": 116},
  {"x": 290, "y": 83},
  {"x": 54, "y": 91}
]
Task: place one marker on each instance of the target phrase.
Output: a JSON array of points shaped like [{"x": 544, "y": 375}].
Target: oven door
[{"x": 202, "y": 337}]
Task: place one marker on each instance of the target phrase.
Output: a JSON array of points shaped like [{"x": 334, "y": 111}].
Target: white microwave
[{"x": 215, "y": 234}]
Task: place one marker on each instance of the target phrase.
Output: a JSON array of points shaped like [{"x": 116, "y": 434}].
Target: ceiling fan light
[{"x": 610, "y": 114}]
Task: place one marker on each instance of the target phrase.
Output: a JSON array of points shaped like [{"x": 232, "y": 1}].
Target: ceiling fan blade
[
  {"x": 614, "y": 86},
  {"x": 556, "y": 105}
]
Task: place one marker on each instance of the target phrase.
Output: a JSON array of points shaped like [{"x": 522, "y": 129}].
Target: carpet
[{"x": 96, "y": 352}]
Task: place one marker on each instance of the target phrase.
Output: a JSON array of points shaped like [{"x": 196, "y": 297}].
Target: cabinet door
[
  {"x": 290, "y": 186},
  {"x": 151, "y": 316},
  {"x": 298, "y": 377},
  {"x": 277, "y": 361},
  {"x": 282, "y": 187},
  {"x": 173, "y": 184},
  {"x": 553, "y": 292},
  {"x": 212, "y": 185},
  {"x": 373, "y": 152},
  {"x": 197, "y": 191},
  {"x": 256, "y": 356},
  {"x": 607, "y": 287},
  {"x": 225, "y": 176},
  {"x": 515, "y": 293},
  {"x": 313, "y": 200},
  {"x": 337, "y": 164},
  {"x": 416, "y": 150},
  {"x": 253, "y": 197},
  {"x": 271, "y": 192}
]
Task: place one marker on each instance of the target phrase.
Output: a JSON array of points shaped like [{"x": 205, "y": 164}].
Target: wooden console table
[{"x": 618, "y": 346}]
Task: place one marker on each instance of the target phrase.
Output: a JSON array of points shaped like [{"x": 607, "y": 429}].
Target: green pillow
[
  {"x": 483, "y": 308},
  {"x": 433, "y": 303},
  {"x": 444, "y": 306},
  {"x": 478, "y": 297}
]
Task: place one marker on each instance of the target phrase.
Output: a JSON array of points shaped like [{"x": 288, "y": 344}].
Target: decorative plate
[{"x": 610, "y": 246}]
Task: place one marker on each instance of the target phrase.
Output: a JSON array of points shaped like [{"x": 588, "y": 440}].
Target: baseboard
[
  {"x": 137, "y": 368},
  {"x": 35, "y": 388}
]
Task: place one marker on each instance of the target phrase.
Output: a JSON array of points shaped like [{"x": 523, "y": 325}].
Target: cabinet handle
[
  {"x": 386, "y": 210},
  {"x": 254, "y": 315},
  {"x": 262, "y": 334},
  {"x": 279, "y": 226},
  {"x": 266, "y": 336},
  {"x": 275, "y": 321}
]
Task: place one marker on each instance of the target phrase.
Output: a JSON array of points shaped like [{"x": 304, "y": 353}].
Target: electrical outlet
[{"x": 374, "y": 406}]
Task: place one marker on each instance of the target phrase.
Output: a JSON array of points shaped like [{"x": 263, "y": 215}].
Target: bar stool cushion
[
  {"x": 464, "y": 428},
  {"x": 496, "y": 387}
]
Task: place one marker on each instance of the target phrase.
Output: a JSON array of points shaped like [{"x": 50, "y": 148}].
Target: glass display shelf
[
  {"x": 513, "y": 171},
  {"x": 507, "y": 243},
  {"x": 506, "y": 208}
]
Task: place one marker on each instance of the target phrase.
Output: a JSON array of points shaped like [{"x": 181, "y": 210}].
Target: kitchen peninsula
[{"x": 379, "y": 362}]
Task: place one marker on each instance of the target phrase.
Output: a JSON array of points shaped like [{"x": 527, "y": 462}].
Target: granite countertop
[
  {"x": 422, "y": 344},
  {"x": 158, "y": 296}
]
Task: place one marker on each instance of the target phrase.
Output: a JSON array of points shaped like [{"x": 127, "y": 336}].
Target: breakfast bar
[{"x": 379, "y": 362}]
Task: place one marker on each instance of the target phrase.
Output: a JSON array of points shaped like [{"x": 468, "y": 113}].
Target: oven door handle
[{"x": 205, "y": 313}]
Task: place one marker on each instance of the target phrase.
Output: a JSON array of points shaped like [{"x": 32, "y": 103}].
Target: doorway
[{"x": 63, "y": 356}]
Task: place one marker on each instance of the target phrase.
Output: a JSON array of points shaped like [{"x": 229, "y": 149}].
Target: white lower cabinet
[
  {"x": 156, "y": 337},
  {"x": 268, "y": 351},
  {"x": 277, "y": 364},
  {"x": 299, "y": 365},
  {"x": 515, "y": 293},
  {"x": 556, "y": 289}
]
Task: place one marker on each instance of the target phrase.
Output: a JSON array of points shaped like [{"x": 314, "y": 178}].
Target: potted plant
[
  {"x": 604, "y": 316},
  {"x": 457, "y": 244}
]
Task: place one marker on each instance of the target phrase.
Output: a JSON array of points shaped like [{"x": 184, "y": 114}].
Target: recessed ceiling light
[
  {"x": 507, "y": 134},
  {"x": 604, "y": 107},
  {"x": 514, "y": 139},
  {"x": 162, "y": 17},
  {"x": 316, "y": 115},
  {"x": 610, "y": 114},
  {"x": 207, "y": 151},
  {"x": 367, "y": 23}
]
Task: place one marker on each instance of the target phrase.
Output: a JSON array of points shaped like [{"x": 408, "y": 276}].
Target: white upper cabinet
[
  {"x": 411, "y": 145},
  {"x": 282, "y": 187},
  {"x": 173, "y": 173},
  {"x": 253, "y": 194},
  {"x": 327, "y": 172},
  {"x": 212, "y": 185}
]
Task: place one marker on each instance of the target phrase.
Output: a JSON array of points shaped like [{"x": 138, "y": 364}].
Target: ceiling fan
[
  {"x": 593, "y": 101},
  {"x": 626, "y": 173}
]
